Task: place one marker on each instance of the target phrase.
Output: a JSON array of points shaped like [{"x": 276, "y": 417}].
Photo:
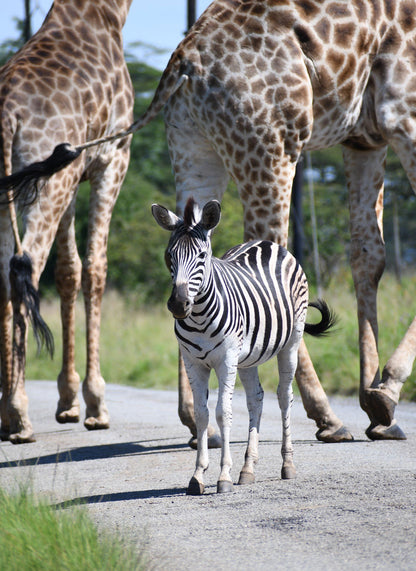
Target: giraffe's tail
[
  {"x": 27, "y": 295},
  {"x": 26, "y": 181}
]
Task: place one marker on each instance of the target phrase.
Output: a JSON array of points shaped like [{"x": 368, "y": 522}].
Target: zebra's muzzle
[{"x": 179, "y": 303}]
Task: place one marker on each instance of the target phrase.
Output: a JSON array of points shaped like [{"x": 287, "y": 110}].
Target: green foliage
[
  {"x": 332, "y": 217},
  {"x": 38, "y": 537},
  {"x": 138, "y": 346}
]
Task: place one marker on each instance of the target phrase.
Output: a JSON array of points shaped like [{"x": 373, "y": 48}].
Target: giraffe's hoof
[
  {"x": 69, "y": 415},
  {"x": 99, "y": 423},
  {"x": 380, "y": 406},
  {"x": 380, "y": 432},
  {"x": 288, "y": 472},
  {"x": 246, "y": 478},
  {"x": 214, "y": 441},
  {"x": 22, "y": 437},
  {"x": 195, "y": 488},
  {"x": 328, "y": 434},
  {"x": 224, "y": 486}
]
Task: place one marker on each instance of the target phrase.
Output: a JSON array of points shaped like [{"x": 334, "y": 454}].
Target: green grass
[
  {"x": 138, "y": 346},
  {"x": 35, "y": 536}
]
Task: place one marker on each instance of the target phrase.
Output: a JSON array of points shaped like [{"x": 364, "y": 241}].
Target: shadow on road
[
  {"x": 122, "y": 497},
  {"x": 98, "y": 452}
]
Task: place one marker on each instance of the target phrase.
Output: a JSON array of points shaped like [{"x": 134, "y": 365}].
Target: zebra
[{"x": 231, "y": 314}]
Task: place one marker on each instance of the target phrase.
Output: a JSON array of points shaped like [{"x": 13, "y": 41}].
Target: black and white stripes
[
  {"x": 235, "y": 313},
  {"x": 256, "y": 293}
]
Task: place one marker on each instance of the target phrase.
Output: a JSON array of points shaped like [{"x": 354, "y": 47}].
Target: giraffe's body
[
  {"x": 268, "y": 79},
  {"x": 253, "y": 84},
  {"x": 69, "y": 82}
]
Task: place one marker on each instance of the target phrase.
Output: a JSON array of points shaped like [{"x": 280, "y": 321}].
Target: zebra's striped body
[
  {"x": 253, "y": 297},
  {"x": 233, "y": 314}
]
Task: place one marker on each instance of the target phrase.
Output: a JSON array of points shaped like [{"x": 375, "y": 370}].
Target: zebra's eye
[{"x": 202, "y": 255}]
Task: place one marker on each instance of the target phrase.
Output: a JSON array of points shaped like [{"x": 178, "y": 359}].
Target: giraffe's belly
[{"x": 333, "y": 128}]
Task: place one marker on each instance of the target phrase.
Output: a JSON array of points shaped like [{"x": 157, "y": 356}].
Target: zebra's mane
[{"x": 192, "y": 214}]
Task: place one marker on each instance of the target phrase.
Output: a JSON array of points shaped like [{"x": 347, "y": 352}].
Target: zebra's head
[{"x": 188, "y": 255}]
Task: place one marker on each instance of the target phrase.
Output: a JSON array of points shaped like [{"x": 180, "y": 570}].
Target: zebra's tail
[
  {"x": 328, "y": 320},
  {"x": 26, "y": 294}
]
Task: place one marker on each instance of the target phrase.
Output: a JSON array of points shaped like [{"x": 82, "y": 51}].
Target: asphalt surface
[{"x": 352, "y": 506}]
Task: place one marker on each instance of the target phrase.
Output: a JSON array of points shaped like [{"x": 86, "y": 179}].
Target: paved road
[{"x": 352, "y": 506}]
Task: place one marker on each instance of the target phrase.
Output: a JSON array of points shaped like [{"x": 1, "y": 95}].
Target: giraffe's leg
[
  {"x": 385, "y": 393},
  {"x": 13, "y": 416},
  {"x": 266, "y": 216},
  {"x": 199, "y": 172},
  {"x": 41, "y": 220},
  {"x": 254, "y": 396},
  {"x": 395, "y": 372},
  {"x": 68, "y": 284},
  {"x": 365, "y": 176},
  {"x": 315, "y": 401},
  {"x": 105, "y": 186}
]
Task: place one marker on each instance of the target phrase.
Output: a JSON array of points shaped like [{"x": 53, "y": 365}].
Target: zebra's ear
[
  {"x": 164, "y": 217},
  {"x": 211, "y": 214}
]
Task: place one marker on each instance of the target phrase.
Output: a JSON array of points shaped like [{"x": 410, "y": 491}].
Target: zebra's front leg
[
  {"x": 226, "y": 374},
  {"x": 254, "y": 398},
  {"x": 287, "y": 360},
  {"x": 186, "y": 410},
  {"x": 198, "y": 375}
]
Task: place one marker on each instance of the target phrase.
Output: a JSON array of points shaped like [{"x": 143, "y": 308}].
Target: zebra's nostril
[{"x": 180, "y": 308}]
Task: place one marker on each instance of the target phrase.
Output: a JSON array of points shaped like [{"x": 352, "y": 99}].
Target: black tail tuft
[
  {"x": 328, "y": 320},
  {"x": 21, "y": 280},
  {"x": 25, "y": 182}
]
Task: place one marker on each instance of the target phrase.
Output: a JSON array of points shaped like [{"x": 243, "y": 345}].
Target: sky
[{"x": 160, "y": 23}]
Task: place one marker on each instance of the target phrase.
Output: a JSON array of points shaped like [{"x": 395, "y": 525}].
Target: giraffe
[
  {"x": 252, "y": 85},
  {"x": 70, "y": 81}
]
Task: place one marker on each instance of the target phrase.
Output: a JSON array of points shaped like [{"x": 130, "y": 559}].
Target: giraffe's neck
[{"x": 99, "y": 14}]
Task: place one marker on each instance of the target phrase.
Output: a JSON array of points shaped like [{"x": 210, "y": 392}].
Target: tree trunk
[{"x": 27, "y": 23}]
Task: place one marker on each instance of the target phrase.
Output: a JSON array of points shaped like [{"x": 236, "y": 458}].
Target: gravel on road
[{"x": 352, "y": 505}]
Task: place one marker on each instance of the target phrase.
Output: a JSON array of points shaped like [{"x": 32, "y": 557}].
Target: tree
[{"x": 10, "y": 46}]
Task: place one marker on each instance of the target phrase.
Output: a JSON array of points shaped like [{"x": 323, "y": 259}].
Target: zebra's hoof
[
  {"x": 224, "y": 486},
  {"x": 288, "y": 472},
  {"x": 246, "y": 478},
  {"x": 195, "y": 488},
  {"x": 380, "y": 432}
]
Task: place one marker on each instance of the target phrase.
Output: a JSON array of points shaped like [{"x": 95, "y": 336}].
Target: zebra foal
[{"x": 235, "y": 313}]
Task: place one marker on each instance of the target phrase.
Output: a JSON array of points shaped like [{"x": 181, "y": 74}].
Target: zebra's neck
[{"x": 208, "y": 297}]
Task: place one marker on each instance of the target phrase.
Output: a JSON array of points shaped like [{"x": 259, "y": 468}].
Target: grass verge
[{"x": 35, "y": 536}]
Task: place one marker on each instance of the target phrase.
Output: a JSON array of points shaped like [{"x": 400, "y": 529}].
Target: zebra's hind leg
[
  {"x": 254, "y": 397},
  {"x": 198, "y": 377},
  {"x": 287, "y": 360}
]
